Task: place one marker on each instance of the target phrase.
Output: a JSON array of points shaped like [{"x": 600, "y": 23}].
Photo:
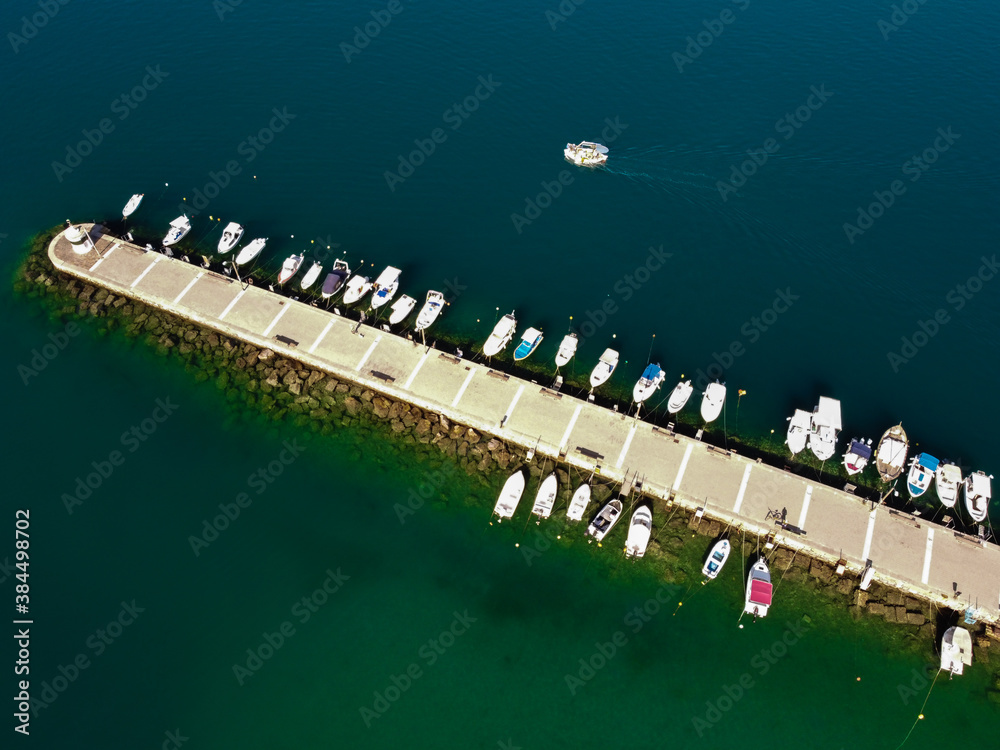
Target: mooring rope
[{"x": 920, "y": 716}]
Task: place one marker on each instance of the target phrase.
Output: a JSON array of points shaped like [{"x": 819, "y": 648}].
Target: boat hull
[
  {"x": 510, "y": 495},
  {"x": 679, "y": 396},
  {"x": 545, "y": 498},
  {"x": 891, "y": 456},
  {"x": 578, "y": 505},
  {"x": 712, "y": 402},
  {"x": 638, "y": 532},
  {"x": 716, "y": 559},
  {"x": 601, "y": 526}
]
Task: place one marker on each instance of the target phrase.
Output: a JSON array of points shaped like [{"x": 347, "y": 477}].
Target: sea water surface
[{"x": 289, "y": 120}]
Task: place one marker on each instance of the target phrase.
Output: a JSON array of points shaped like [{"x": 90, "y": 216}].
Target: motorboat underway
[
  {"x": 311, "y": 275},
  {"x": 947, "y": 479},
  {"x": 401, "y": 308},
  {"x": 545, "y": 498},
  {"x": 231, "y": 236},
  {"x": 385, "y": 287},
  {"x": 529, "y": 342},
  {"x": 758, "y": 590},
  {"x": 799, "y": 427},
  {"x": 679, "y": 396},
  {"x": 717, "y": 557},
  {"x": 503, "y": 332},
  {"x": 250, "y": 251},
  {"x": 976, "y": 490},
  {"x": 956, "y": 650},
  {"x": 825, "y": 426},
  {"x": 430, "y": 311},
  {"x": 922, "y": 469},
  {"x": 605, "y": 366},
  {"x": 858, "y": 455},
  {"x": 132, "y": 205},
  {"x": 586, "y": 154},
  {"x": 605, "y": 520},
  {"x": 289, "y": 268},
  {"x": 566, "y": 349},
  {"x": 179, "y": 228},
  {"x": 335, "y": 280},
  {"x": 652, "y": 378},
  {"x": 891, "y": 454},
  {"x": 639, "y": 530},
  {"x": 578, "y": 505},
  {"x": 713, "y": 401},
  {"x": 510, "y": 495},
  {"x": 356, "y": 288}
]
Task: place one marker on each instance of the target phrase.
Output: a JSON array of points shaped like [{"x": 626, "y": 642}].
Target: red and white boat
[{"x": 758, "y": 590}]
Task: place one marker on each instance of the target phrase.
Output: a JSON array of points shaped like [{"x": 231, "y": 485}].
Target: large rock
[
  {"x": 423, "y": 427},
  {"x": 352, "y": 405},
  {"x": 493, "y": 445},
  {"x": 456, "y": 432},
  {"x": 915, "y": 618},
  {"x": 264, "y": 355},
  {"x": 382, "y": 407},
  {"x": 397, "y": 409}
]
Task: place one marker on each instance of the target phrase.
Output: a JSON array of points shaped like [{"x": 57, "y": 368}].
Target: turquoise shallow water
[{"x": 323, "y": 176}]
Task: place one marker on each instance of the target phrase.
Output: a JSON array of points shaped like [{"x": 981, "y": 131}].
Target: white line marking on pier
[
  {"x": 684, "y": 465},
  {"x": 190, "y": 284},
  {"x": 805, "y": 507},
  {"x": 233, "y": 303},
  {"x": 743, "y": 488},
  {"x": 329, "y": 325},
  {"x": 927, "y": 556},
  {"x": 103, "y": 257},
  {"x": 416, "y": 369},
  {"x": 458, "y": 396},
  {"x": 868, "y": 536},
  {"x": 282, "y": 311},
  {"x": 628, "y": 442},
  {"x": 569, "y": 428},
  {"x": 513, "y": 403},
  {"x": 368, "y": 353},
  {"x": 142, "y": 275}
]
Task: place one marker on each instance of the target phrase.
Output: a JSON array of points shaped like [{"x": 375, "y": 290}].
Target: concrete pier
[{"x": 927, "y": 560}]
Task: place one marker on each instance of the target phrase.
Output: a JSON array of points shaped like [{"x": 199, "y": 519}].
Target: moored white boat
[
  {"x": 859, "y": 453},
  {"x": 759, "y": 589},
  {"x": 891, "y": 454},
  {"x": 289, "y": 268},
  {"x": 250, "y": 251},
  {"x": 311, "y": 275},
  {"x": 179, "y": 228},
  {"x": 502, "y": 333},
  {"x": 545, "y": 498},
  {"x": 530, "y": 340},
  {"x": 825, "y": 426},
  {"x": 385, "y": 287},
  {"x": 132, "y": 205},
  {"x": 578, "y": 505},
  {"x": 651, "y": 379},
  {"x": 976, "y": 490},
  {"x": 430, "y": 311},
  {"x": 566, "y": 349},
  {"x": 401, "y": 308},
  {"x": 956, "y": 650},
  {"x": 639, "y": 530},
  {"x": 717, "y": 557},
  {"x": 356, "y": 288},
  {"x": 605, "y": 367},
  {"x": 510, "y": 495},
  {"x": 947, "y": 480},
  {"x": 713, "y": 401},
  {"x": 679, "y": 396},
  {"x": 335, "y": 280},
  {"x": 231, "y": 236},
  {"x": 605, "y": 520},
  {"x": 922, "y": 469},
  {"x": 799, "y": 427},
  {"x": 586, "y": 154}
]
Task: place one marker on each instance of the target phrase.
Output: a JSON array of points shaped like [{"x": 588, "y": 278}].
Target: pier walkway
[{"x": 952, "y": 569}]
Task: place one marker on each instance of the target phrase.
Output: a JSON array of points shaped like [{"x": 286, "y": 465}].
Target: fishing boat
[
  {"x": 976, "y": 491},
  {"x": 825, "y": 426},
  {"x": 922, "y": 469},
  {"x": 510, "y": 495},
  {"x": 605, "y": 366},
  {"x": 799, "y": 427},
  {"x": 335, "y": 280},
  {"x": 947, "y": 480},
  {"x": 713, "y": 401},
  {"x": 956, "y": 650},
  {"x": 891, "y": 454},
  {"x": 858, "y": 455},
  {"x": 586, "y": 154},
  {"x": 179, "y": 228},
  {"x": 430, "y": 311},
  {"x": 385, "y": 287},
  {"x": 578, "y": 505},
  {"x": 566, "y": 349},
  {"x": 717, "y": 557},
  {"x": 132, "y": 205},
  {"x": 503, "y": 331},
  {"x": 639, "y": 530},
  {"x": 651, "y": 379},
  {"x": 545, "y": 498},
  {"x": 250, "y": 251},
  {"x": 529, "y": 342},
  {"x": 401, "y": 308},
  {"x": 311, "y": 275},
  {"x": 356, "y": 288},
  {"x": 758, "y": 590},
  {"x": 605, "y": 520},
  {"x": 289, "y": 268},
  {"x": 679, "y": 396},
  {"x": 231, "y": 236}
]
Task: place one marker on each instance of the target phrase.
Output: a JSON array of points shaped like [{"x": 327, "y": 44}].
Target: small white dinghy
[
  {"x": 289, "y": 268},
  {"x": 503, "y": 332},
  {"x": 758, "y": 590},
  {"x": 251, "y": 251},
  {"x": 545, "y": 498},
  {"x": 605, "y": 520},
  {"x": 639, "y": 530},
  {"x": 385, "y": 287},
  {"x": 578, "y": 505},
  {"x": 430, "y": 311},
  {"x": 713, "y": 401},
  {"x": 357, "y": 288},
  {"x": 566, "y": 349},
  {"x": 179, "y": 228},
  {"x": 956, "y": 650},
  {"x": 679, "y": 396},
  {"x": 651, "y": 379},
  {"x": 717, "y": 557},
  {"x": 947, "y": 480},
  {"x": 335, "y": 280},
  {"x": 799, "y": 427},
  {"x": 859, "y": 453},
  {"x": 605, "y": 366},
  {"x": 510, "y": 495},
  {"x": 132, "y": 205},
  {"x": 231, "y": 236},
  {"x": 401, "y": 308},
  {"x": 976, "y": 490},
  {"x": 311, "y": 275}
]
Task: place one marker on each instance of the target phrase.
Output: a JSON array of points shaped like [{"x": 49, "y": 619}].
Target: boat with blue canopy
[
  {"x": 651, "y": 379},
  {"x": 922, "y": 469}
]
